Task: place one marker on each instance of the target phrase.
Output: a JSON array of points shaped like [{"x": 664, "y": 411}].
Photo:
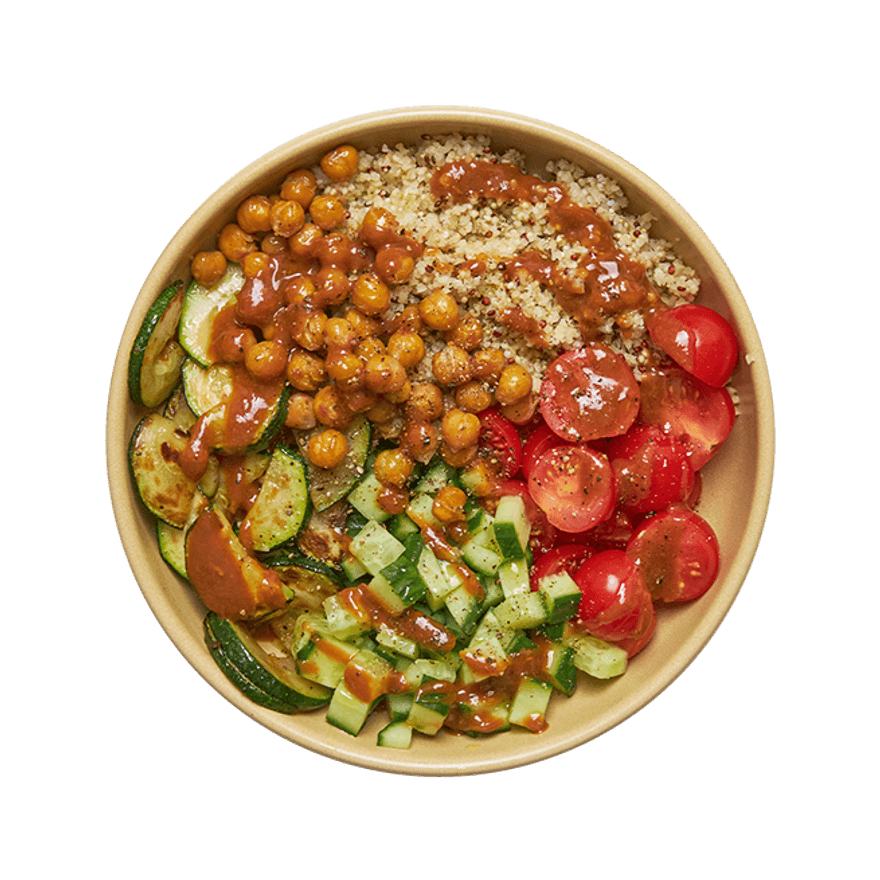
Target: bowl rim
[{"x": 470, "y": 120}]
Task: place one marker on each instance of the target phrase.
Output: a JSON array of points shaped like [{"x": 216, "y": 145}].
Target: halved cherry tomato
[
  {"x": 644, "y": 632},
  {"x": 501, "y": 436},
  {"x": 536, "y": 444},
  {"x": 589, "y": 393},
  {"x": 543, "y": 535},
  {"x": 652, "y": 468},
  {"x": 698, "y": 339},
  {"x": 574, "y": 486},
  {"x": 700, "y": 416},
  {"x": 677, "y": 554},
  {"x": 614, "y": 532},
  {"x": 612, "y": 594},
  {"x": 565, "y": 557}
]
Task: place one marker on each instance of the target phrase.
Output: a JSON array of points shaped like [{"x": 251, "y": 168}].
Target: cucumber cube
[
  {"x": 346, "y": 711},
  {"x": 375, "y": 548},
  {"x": 437, "y": 585},
  {"x": 364, "y": 498},
  {"x": 396, "y": 735},
  {"x": 512, "y": 527},
  {"x": 522, "y": 611},
  {"x": 559, "y": 668},
  {"x": 529, "y": 705},
  {"x": 561, "y": 595},
  {"x": 595, "y": 657},
  {"x": 481, "y": 559},
  {"x": 513, "y": 576}
]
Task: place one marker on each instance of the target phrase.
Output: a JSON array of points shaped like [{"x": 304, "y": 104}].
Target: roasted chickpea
[
  {"x": 298, "y": 290},
  {"x": 468, "y": 333},
  {"x": 420, "y": 439},
  {"x": 234, "y": 242},
  {"x": 425, "y": 402},
  {"x": 384, "y": 374},
  {"x": 208, "y": 267},
  {"x": 382, "y": 411},
  {"x": 305, "y": 371},
  {"x": 287, "y": 217},
  {"x": 439, "y": 310},
  {"x": 273, "y": 244},
  {"x": 394, "y": 265},
  {"x": 253, "y": 214},
  {"x": 254, "y": 263},
  {"x": 311, "y": 334},
  {"x": 340, "y": 163},
  {"x": 407, "y": 347},
  {"x": 359, "y": 399},
  {"x": 339, "y": 333},
  {"x": 299, "y": 186},
  {"x": 344, "y": 367},
  {"x": 327, "y": 449},
  {"x": 449, "y": 504},
  {"x": 452, "y": 366},
  {"x": 300, "y": 412},
  {"x": 366, "y": 348},
  {"x": 333, "y": 286},
  {"x": 473, "y": 397},
  {"x": 364, "y": 326},
  {"x": 400, "y": 395},
  {"x": 410, "y": 319},
  {"x": 232, "y": 344},
  {"x": 393, "y": 467},
  {"x": 521, "y": 412},
  {"x": 327, "y": 211},
  {"x": 376, "y": 226},
  {"x": 330, "y": 408},
  {"x": 458, "y": 458},
  {"x": 459, "y": 429},
  {"x": 514, "y": 383},
  {"x": 488, "y": 364},
  {"x": 266, "y": 359},
  {"x": 303, "y": 242},
  {"x": 370, "y": 295}
]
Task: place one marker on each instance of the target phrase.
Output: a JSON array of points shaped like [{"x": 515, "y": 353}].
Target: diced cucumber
[
  {"x": 365, "y": 498},
  {"x": 385, "y": 595},
  {"x": 375, "y": 548},
  {"x": 341, "y": 621},
  {"x": 559, "y": 668},
  {"x": 394, "y": 641},
  {"x": 398, "y": 706},
  {"x": 595, "y": 657},
  {"x": 437, "y": 585},
  {"x": 396, "y": 735},
  {"x": 465, "y": 608},
  {"x": 352, "y": 568},
  {"x": 403, "y": 573},
  {"x": 371, "y": 672},
  {"x": 346, "y": 711},
  {"x": 562, "y": 597},
  {"x": 513, "y": 576},
  {"x": 323, "y": 659},
  {"x": 428, "y": 713},
  {"x": 485, "y": 658},
  {"x": 480, "y": 558},
  {"x": 438, "y": 475},
  {"x": 420, "y": 510},
  {"x": 522, "y": 611},
  {"x": 400, "y": 525},
  {"x": 512, "y": 527},
  {"x": 529, "y": 705},
  {"x": 201, "y": 306},
  {"x": 489, "y": 627}
]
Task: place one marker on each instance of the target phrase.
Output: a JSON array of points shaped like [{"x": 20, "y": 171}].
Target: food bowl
[{"x": 736, "y": 485}]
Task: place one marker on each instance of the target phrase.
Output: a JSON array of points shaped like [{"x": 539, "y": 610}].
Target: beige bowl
[{"x": 736, "y": 484}]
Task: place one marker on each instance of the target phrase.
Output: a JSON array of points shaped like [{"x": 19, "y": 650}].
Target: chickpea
[
  {"x": 488, "y": 364},
  {"x": 330, "y": 408},
  {"x": 305, "y": 371},
  {"x": 273, "y": 244},
  {"x": 287, "y": 217},
  {"x": 473, "y": 397},
  {"x": 327, "y": 449},
  {"x": 299, "y": 186},
  {"x": 299, "y": 290},
  {"x": 521, "y": 412},
  {"x": 459, "y": 429},
  {"x": 394, "y": 265},
  {"x": 339, "y": 333},
  {"x": 333, "y": 286},
  {"x": 439, "y": 310},
  {"x": 300, "y": 412},
  {"x": 382, "y": 411},
  {"x": 234, "y": 242},
  {"x": 514, "y": 383},
  {"x": 458, "y": 458},
  {"x": 366, "y": 348},
  {"x": 327, "y": 211},
  {"x": 407, "y": 347},
  {"x": 266, "y": 359},
  {"x": 344, "y": 368},
  {"x": 449, "y": 504},
  {"x": 399, "y": 395},
  {"x": 254, "y": 263},
  {"x": 410, "y": 319},
  {"x": 420, "y": 439},
  {"x": 393, "y": 467},
  {"x": 371, "y": 295},
  {"x": 341, "y": 163},
  {"x": 452, "y": 366},
  {"x": 208, "y": 267},
  {"x": 303, "y": 242},
  {"x": 468, "y": 333},
  {"x": 311, "y": 334},
  {"x": 384, "y": 374},
  {"x": 425, "y": 402},
  {"x": 376, "y": 226},
  {"x": 253, "y": 214},
  {"x": 234, "y": 343},
  {"x": 359, "y": 399},
  {"x": 364, "y": 326}
]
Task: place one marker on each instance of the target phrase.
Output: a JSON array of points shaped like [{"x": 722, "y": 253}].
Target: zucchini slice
[
  {"x": 201, "y": 305},
  {"x": 282, "y": 505},
  {"x": 156, "y": 356},
  {"x": 153, "y": 458},
  {"x": 327, "y": 486},
  {"x": 264, "y": 672}
]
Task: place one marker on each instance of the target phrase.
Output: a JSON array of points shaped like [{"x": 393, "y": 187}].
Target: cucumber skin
[{"x": 138, "y": 349}]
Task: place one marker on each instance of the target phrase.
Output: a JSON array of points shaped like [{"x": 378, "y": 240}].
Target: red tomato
[
  {"x": 612, "y": 594},
  {"x": 613, "y": 532},
  {"x": 652, "y": 468},
  {"x": 574, "y": 486},
  {"x": 537, "y": 443},
  {"x": 543, "y": 535},
  {"x": 700, "y": 416},
  {"x": 502, "y": 437},
  {"x": 565, "y": 557},
  {"x": 589, "y": 393},
  {"x": 644, "y": 631},
  {"x": 677, "y": 554},
  {"x": 698, "y": 339}
]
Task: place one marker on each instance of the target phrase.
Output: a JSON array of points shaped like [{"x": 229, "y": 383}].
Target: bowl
[{"x": 736, "y": 486}]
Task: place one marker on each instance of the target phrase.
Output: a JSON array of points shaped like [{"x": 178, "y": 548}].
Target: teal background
[{"x": 760, "y": 760}]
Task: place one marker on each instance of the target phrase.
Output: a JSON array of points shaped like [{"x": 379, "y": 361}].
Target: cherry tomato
[
  {"x": 537, "y": 443},
  {"x": 565, "y": 557},
  {"x": 652, "y": 468},
  {"x": 542, "y": 536},
  {"x": 589, "y": 393},
  {"x": 700, "y": 416},
  {"x": 501, "y": 436},
  {"x": 612, "y": 593},
  {"x": 613, "y": 532},
  {"x": 574, "y": 486},
  {"x": 643, "y": 633},
  {"x": 698, "y": 339},
  {"x": 677, "y": 553}
]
